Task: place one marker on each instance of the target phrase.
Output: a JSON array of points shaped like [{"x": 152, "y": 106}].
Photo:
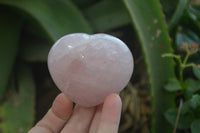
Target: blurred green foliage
[
  {"x": 28, "y": 28},
  {"x": 155, "y": 40}
]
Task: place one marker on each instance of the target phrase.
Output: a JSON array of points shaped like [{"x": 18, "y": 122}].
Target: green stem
[
  {"x": 181, "y": 75},
  {"x": 178, "y": 116},
  {"x": 181, "y": 64},
  {"x": 189, "y": 65},
  {"x": 186, "y": 58},
  {"x": 171, "y": 55}
]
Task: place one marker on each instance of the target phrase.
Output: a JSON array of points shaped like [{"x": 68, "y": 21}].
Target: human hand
[{"x": 62, "y": 118}]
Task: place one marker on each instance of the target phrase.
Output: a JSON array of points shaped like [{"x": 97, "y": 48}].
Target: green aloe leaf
[
  {"x": 178, "y": 13},
  {"x": 35, "y": 52},
  {"x": 57, "y": 18},
  {"x": 169, "y": 8},
  {"x": 34, "y": 49},
  {"x": 84, "y": 3},
  {"x": 107, "y": 15},
  {"x": 17, "y": 112},
  {"x": 150, "y": 24},
  {"x": 10, "y": 27}
]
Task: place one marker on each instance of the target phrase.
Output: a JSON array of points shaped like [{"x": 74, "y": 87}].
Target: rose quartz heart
[{"x": 87, "y": 68}]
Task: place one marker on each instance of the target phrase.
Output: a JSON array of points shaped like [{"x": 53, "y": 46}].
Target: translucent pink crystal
[{"x": 87, "y": 68}]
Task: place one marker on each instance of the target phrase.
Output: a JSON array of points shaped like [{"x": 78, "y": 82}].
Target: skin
[{"x": 63, "y": 118}]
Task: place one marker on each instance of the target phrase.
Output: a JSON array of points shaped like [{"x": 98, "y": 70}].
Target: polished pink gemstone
[{"x": 87, "y": 68}]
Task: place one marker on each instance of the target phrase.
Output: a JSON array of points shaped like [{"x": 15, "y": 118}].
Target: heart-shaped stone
[{"x": 87, "y": 68}]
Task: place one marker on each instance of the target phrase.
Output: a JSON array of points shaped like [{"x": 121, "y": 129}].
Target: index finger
[{"x": 56, "y": 117}]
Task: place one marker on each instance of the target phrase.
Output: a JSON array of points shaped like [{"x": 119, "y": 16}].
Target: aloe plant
[
  {"x": 17, "y": 113},
  {"x": 150, "y": 24},
  {"x": 10, "y": 29},
  {"x": 113, "y": 15},
  {"x": 52, "y": 17},
  {"x": 45, "y": 19}
]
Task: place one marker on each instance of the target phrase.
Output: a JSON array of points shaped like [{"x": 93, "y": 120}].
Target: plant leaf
[
  {"x": 57, "y": 18},
  {"x": 36, "y": 52},
  {"x": 169, "y": 8},
  {"x": 192, "y": 85},
  {"x": 191, "y": 18},
  {"x": 184, "y": 121},
  {"x": 195, "y": 127},
  {"x": 186, "y": 36},
  {"x": 173, "y": 85},
  {"x": 10, "y": 27},
  {"x": 34, "y": 49},
  {"x": 150, "y": 24},
  {"x": 194, "y": 10},
  {"x": 178, "y": 13},
  {"x": 107, "y": 14},
  {"x": 186, "y": 107},
  {"x": 195, "y": 101},
  {"x": 83, "y": 3},
  {"x": 17, "y": 112},
  {"x": 196, "y": 72}
]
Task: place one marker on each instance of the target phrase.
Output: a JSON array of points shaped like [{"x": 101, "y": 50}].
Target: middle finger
[{"x": 80, "y": 120}]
